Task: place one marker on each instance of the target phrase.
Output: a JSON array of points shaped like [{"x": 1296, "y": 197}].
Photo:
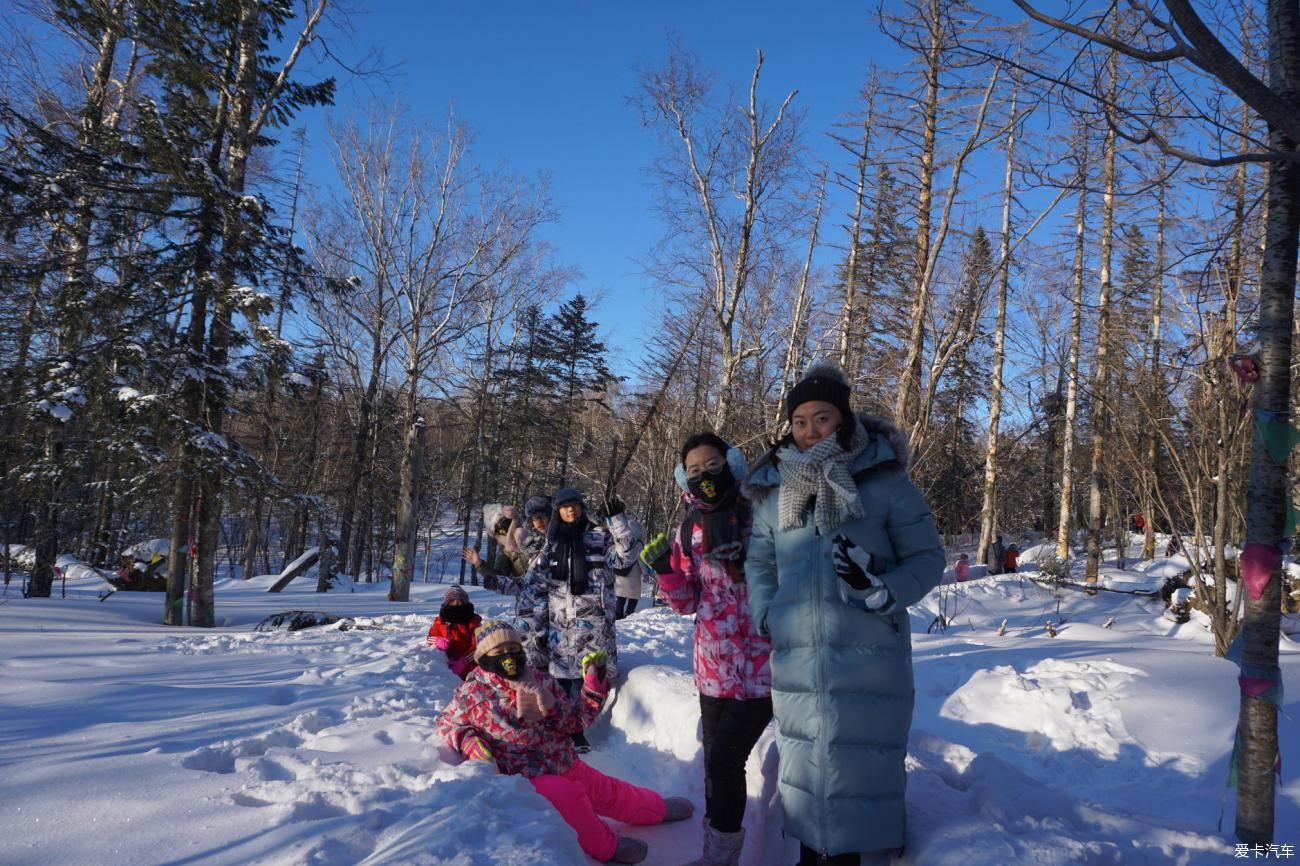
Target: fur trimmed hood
[{"x": 886, "y": 446}]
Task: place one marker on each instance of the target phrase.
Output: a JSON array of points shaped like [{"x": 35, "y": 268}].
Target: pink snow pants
[{"x": 583, "y": 794}]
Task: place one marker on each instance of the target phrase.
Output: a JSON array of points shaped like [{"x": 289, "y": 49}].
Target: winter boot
[
  {"x": 629, "y": 850},
  {"x": 720, "y": 849},
  {"x": 677, "y": 809}
]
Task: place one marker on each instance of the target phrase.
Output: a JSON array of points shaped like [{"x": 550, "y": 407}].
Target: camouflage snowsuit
[{"x": 570, "y": 626}]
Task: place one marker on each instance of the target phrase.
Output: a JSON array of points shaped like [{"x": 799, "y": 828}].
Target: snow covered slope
[{"x": 125, "y": 742}]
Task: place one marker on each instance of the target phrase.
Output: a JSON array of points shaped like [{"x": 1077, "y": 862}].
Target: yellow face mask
[{"x": 511, "y": 665}]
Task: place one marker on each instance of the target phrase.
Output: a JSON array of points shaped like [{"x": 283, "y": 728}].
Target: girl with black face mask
[
  {"x": 519, "y": 719},
  {"x": 701, "y": 569},
  {"x": 453, "y": 628}
]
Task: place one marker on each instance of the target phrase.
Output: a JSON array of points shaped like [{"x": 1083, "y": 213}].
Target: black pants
[
  {"x": 731, "y": 728},
  {"x": 624, "y": 606},
  {"x": 573, "y": 688}
]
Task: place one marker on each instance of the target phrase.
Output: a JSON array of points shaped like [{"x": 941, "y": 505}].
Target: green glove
[
  {"x": 655, "y": 554},
  {"x": 593, "y": 672}
]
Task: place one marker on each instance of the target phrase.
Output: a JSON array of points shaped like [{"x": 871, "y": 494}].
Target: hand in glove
[
  {"x": 593, "y": 673},
  {"x": 461, "y": 666},
  {"x": 655, "y": 554},
  {"x": 533, "y": 702},
  {"x": 475, "y": 748},
  {"x": 855, "y": 567},
  {"x": 614, "y": 506},
  {"x": 441, "y": 643}
]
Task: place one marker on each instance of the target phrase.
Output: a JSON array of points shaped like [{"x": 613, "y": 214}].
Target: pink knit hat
[{"x": 455, "y": 594}]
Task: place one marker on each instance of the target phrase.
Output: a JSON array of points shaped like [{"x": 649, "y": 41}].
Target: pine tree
[{"x": 575, "y": 359}]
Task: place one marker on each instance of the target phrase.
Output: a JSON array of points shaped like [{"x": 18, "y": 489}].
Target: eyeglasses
[{"x": 713, "y": 467}]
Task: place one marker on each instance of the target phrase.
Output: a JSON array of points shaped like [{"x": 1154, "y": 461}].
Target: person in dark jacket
[
  {"x": 996, "y": 556},
  {"x": 842, "y": 543},
  {"x": 566, "y": 606}
]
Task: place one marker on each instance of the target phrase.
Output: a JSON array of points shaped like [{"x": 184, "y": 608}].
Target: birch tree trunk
[
  {"x": 408, "y": 502},
  {"x": 907, "y": 407},
  {"x": 1100, "y": 412},
  {"x": 1268, "y": 495},
  {"x": 988, "y": 511},
  {"x": 799, "y": 320},
  {"x": 1157, "y": 386},
  {"x": 863, "y": 155},
  {"x": 1065, "y": 514}
]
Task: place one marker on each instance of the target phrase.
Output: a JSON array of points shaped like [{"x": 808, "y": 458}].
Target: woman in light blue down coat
[{"x": 842, "y": 544}]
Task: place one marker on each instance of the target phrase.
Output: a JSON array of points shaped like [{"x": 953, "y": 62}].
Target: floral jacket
[
  {"x": 731, "y": 656},
  {"x": 485, "y": 704}
]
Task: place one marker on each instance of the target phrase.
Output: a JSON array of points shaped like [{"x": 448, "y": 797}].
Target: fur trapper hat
[
  {"x": 536, "y": 505},
  {"x": 567, "y": 496}
]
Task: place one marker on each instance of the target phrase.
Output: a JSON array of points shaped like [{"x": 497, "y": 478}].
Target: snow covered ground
[{"x": 126, "y": 742}]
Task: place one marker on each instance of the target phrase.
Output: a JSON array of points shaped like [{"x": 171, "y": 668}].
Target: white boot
[{"x": 720, "y": 849}]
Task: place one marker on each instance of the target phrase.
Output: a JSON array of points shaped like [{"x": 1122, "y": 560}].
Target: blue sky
[{"x": 545, "y": 86}]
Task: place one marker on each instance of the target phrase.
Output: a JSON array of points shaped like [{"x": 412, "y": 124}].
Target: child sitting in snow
[
  {"x": 453, "y": 628},
  {"x": 963, "y": 568},
  {"x": 520, "y": 719}
]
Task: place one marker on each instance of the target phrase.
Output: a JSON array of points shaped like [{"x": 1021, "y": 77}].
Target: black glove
[
  {"x": 613, "y": 506},
  {"x": 857, "y": 568},
  {"x": 853, "y": 565}
]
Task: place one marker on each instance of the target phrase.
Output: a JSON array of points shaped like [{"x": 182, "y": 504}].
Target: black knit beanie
[{"x": 821, "y": 381}]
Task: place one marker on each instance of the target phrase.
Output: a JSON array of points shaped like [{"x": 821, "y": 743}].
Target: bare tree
[
  {"x": 1101, "y": 371},
  {"x": 437, "y": 236},
  {"x": 1184, "y": 39},
  {"x": 988, "y": 510},
  {"x": 724, "y": 188}
]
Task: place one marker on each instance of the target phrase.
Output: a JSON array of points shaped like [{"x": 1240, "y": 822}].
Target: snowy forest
[{"x": 1059, "y": 251}]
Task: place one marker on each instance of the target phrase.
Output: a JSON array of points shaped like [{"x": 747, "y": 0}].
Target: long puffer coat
[
  {"x": 842, "y": 687},
  {"x": 570, "y": 626}
]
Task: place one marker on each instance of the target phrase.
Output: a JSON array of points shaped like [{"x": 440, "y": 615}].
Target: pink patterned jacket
[
  {"x": 731, "y": 656},
  {"x": 485, "y": 704}
]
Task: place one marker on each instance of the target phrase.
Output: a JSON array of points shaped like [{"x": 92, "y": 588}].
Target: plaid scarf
[{"x": 822, "y": 472}]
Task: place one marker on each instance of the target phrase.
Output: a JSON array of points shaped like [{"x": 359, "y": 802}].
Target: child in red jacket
[
  {"x": 521, "y": 720},
  {"x": 453, "y": 628}
]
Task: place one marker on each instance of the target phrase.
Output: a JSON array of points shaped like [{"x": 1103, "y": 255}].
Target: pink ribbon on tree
[{"x": 1258, "y": 562}]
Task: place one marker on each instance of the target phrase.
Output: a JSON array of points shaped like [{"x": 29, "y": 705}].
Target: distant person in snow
[
  {"x": 568, "y": 594},
  {"x": 1010, "y": 559},
  {"x": 628, "y": 534},
  {"x": 701, "y": 569},
  {"x": 537, "y": 517},
  {"x": 520, "y": 719},
  {"x": 996, "y": 556},
  {"x": 963, "y": 568},
  {"x": 509, "y": 561},
  {"x": 453, "y": 628},
  {"x": 842, "y": 543}
]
